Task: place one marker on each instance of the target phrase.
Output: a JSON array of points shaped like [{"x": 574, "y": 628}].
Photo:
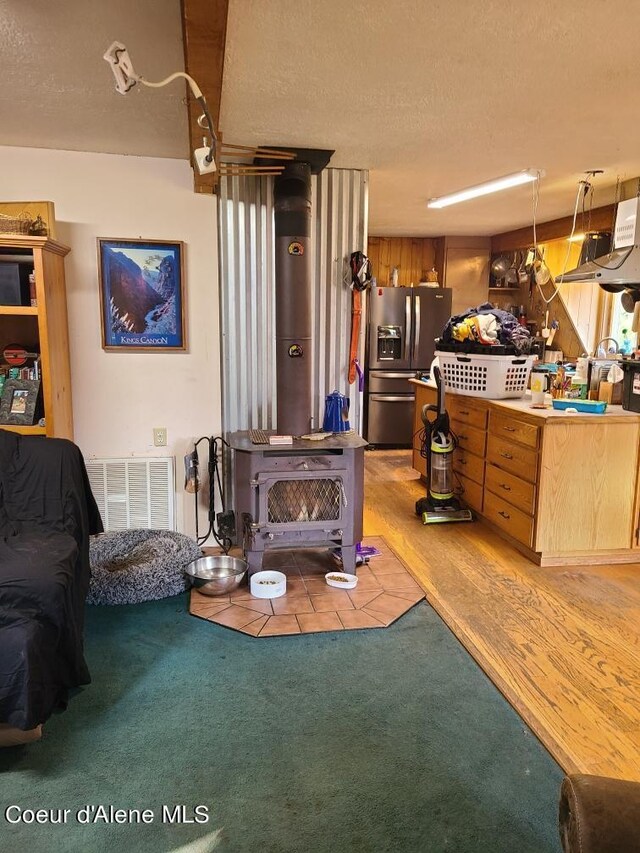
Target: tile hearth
[{"x": 386, "y": 591}]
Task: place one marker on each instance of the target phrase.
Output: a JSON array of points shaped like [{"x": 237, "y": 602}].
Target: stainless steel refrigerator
[{"x": 403, "y": 324}]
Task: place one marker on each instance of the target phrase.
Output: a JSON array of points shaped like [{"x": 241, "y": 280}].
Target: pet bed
[{"x": 132, "y": 566}]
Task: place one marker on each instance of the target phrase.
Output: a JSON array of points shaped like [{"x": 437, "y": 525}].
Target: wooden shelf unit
[
  {"x": 25, "y": 430},
  {"x": 18, "y": 311},
  {"x": 47, "y": 326}
]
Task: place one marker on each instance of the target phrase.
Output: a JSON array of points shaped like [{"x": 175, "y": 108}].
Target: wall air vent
[{"x": 134, "y": 493}]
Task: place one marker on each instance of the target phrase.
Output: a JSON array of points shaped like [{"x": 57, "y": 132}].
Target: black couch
[{"x": 47, "y": 512}]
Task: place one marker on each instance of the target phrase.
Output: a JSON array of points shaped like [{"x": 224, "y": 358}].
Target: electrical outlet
[{"x": 160, "y": 436}]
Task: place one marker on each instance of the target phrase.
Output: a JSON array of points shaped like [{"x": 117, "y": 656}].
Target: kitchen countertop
[{"x": 523, "y": 406}]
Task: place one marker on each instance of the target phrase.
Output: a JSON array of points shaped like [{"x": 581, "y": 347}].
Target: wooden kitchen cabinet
[
  {"x": 468, "y": 423},
  {"x": 509, "y": 518},
  {"x": 564, "y": 489},
  {"x": 419, "y": 462},
  {"x": 508, "y": 454},
  {"x": 463, "y": 263},
  {"x": 587, "y": 487},
  {"x": 521, "y": 494}
]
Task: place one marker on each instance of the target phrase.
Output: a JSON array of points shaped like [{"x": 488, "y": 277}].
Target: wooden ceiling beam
[{"x": 204, "y": 35}]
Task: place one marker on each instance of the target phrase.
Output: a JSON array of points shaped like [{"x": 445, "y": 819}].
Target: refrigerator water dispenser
[{"x": 389, "y": 343}]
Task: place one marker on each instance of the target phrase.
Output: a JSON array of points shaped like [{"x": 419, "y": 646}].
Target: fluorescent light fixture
[
  {"x": 494, "y": 186},
  {"x": 577, "y": 238}
]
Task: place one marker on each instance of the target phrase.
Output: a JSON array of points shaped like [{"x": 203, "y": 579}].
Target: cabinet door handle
[
  {"x": 507, "y": 455},
  {"x": 504, "y": 514},
  {"x": 505, "y": 487},
  {"x": 462, "y": 461},
  {"x": 463, "y": 438},
  {"x": 462, "y": 412},
  {"x": 510, "y": 429}
]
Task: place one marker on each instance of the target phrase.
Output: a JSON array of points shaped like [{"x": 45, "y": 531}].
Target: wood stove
[{"x": 308, "y": 494}]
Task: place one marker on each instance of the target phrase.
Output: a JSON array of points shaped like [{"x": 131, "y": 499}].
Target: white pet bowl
[
  {"x": 348, "y": 582},
  {"x": 268, "y": 584}
]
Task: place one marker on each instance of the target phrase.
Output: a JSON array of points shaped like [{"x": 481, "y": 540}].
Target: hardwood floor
[{"x": 561, "y": 644}]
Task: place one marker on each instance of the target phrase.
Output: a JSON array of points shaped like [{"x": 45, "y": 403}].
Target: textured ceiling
[
  {"x": 58, "y": 92},
  {"x": 435, "y": 95},
  {"x": 430, "y": 95}
]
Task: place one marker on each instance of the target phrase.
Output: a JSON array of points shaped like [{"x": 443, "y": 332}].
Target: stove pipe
[{"x": 292, "y": 207}]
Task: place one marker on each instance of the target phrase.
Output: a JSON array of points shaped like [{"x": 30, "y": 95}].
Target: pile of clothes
[{"x": 487, "y": 325}]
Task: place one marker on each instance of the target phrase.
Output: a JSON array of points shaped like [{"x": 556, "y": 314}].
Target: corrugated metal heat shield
[{"x": 247, "y": 285}]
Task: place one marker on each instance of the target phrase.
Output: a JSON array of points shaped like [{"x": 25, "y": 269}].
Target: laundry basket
[{"x": 494, "y": 377}]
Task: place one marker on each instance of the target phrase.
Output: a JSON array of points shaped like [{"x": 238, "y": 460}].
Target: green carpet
[{"x": 369, "y": 741}]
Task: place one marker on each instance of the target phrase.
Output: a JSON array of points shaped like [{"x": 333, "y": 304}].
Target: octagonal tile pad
[{"x": 385, "y": 592}]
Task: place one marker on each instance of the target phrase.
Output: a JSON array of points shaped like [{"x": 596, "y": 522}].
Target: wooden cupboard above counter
[{"x": 564, "y": 489}]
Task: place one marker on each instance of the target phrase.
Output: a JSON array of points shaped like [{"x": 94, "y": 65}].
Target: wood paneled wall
[
  {"x": 577, "y": 332},
  {"x": 567, "y": 338},
  {"x": 510, "y": 241},
  {"x": 412, "y": 255}
]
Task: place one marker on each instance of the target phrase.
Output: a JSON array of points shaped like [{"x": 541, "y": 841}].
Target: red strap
[{"x": 356, "y": 314}]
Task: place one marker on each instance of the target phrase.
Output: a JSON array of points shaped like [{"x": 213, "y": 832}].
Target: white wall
[{"x": 119, "y": 397}]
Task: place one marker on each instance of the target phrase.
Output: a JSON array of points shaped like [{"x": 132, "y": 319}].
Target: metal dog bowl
[{"x": 216, "y": 575}]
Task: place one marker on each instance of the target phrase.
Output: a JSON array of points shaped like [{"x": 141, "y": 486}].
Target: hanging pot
[
  {"x": 611, "y": 288},
  {"x": 499, "y": 267},
  {"x": 541, "y": 271},
  {"x": 511, "y": 276},
  {"x": 629, "y": 299},
  {"x": 529, "y": 258},
  {"x": 523, "y": 275}
]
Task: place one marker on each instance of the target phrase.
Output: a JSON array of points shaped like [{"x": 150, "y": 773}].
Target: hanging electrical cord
[
  {"x": 216, "y": 447},
  {"x": 204, "y": 121},
  {"x": 584, "y": 188},
  {"x": 586, "y": 228},
  {"x": 126, "y": 78}
]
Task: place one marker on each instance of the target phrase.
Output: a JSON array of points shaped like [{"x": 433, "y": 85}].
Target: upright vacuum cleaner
[{"x": 438, "y": 444}]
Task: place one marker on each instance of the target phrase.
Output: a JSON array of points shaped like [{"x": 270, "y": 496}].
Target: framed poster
[{"x": 141, "y": 294}]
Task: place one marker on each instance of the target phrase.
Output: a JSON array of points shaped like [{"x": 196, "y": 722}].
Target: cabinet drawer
[
  {"x": 519, "y": 460},
  {"x": 513, "y": 429},
  {"x": 469, "y": 465},
  {"x": 465, "y": 410},
  {"x": 510, "y": 488},
  {"x": 470, "y": 493},
  {"x": 508, "y": 518},
  {"x": 469, "y": 437}
]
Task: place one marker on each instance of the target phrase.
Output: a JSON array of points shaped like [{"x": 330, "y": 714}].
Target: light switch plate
[{"x": 160, "y": 436}]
